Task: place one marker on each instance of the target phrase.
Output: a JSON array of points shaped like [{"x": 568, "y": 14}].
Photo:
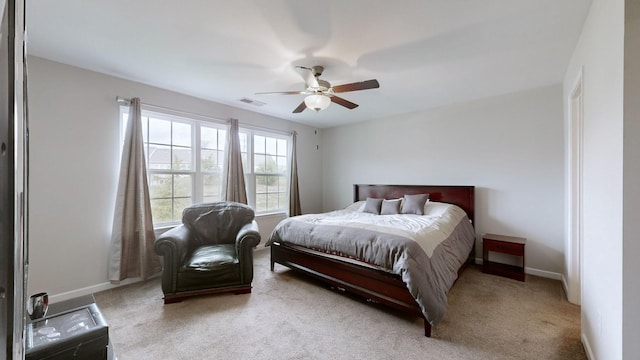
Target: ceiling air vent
[{"x": 252, "y": 102}]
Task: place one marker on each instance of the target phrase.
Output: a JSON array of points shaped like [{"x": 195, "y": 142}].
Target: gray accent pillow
[
  {"x": 390, "y": 207},
  {"x": 414, "y": 204},
  {"x": 372, "y": 206}
]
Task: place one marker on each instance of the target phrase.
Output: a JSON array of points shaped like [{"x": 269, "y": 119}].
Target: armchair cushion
[{"x": 211, "y": 257}]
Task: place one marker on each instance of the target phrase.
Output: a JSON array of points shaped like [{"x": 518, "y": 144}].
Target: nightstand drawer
[{"x": 504, "y": 247}]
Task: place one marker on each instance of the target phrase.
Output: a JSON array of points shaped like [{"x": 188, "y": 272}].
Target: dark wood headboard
[{"x": 463, "y": 196}]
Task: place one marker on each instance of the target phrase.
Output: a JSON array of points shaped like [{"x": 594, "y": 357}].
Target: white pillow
[
  {"x": 434, "y": 208},
  {"x": 356, "y": 206}
]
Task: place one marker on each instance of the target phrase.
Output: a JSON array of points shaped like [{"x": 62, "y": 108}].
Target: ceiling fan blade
[
  {"x": 282, "y": 93},
  {"x": 300, "y": 108},
  {"x": 363, "y": 85},
  {"x": 346, "y": 103},
  {"x": 308, "y": 76}
]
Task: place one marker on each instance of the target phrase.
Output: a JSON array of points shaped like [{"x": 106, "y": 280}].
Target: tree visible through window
[
  {"x": 270, "y": 169},
  {"x": 212, "y": 146},
  {"x": 184, "y": 160},
  {"x": 170, "y": 162}
]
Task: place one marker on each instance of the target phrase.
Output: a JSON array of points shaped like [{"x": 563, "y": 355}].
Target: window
[
  {"x": 169, "y": 150},
  {"x": 185, "y": 157},
  {"x": 184, "y": 160},
  {"x": 212, "y": 146},
  {"x": 266, "y": 170}
]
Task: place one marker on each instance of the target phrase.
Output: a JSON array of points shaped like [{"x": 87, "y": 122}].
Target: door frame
[{"x": 575, "y": 190}]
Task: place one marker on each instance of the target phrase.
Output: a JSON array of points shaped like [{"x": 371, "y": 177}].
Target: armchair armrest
[
  {"x": 173, "y": 243},
  {"x": 173, "y": 246},
  {"x": 248, "y": 238}
]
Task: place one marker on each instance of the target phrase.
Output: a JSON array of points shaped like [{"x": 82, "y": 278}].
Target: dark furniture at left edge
[{"x": 72, "y": 329}]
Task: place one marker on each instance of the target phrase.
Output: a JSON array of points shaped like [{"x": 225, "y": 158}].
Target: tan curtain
[
  {"x": 234, "y": 188},
  {"x": 294, "y": 193},
  {"x": 132, "y": 238}
]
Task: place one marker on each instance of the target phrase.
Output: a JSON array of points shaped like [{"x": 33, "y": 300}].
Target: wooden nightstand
[{"x": 509, "y": 245}]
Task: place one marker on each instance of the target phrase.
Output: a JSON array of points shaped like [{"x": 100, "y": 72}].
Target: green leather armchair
[{"x": 210, "y": 252}]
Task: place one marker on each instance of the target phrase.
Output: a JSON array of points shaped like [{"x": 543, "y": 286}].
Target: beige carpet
[{"x": 290, "y": 317}]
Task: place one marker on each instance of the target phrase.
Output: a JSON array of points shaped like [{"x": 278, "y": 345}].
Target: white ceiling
[{"x": 424, "y": 53}]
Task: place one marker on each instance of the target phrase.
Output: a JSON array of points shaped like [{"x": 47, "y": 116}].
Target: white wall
[
  {"x": 74, "y": 156},
  {"x": 631, "y": 225},
  {"x": 600, "y": 53},
  {"x": 510, "y": 147}
]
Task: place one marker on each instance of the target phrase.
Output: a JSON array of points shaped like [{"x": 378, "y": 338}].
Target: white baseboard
[
  {"x": 90, "y": 290},
  {"x": 543, "y": 273},
  {"x": 587, "y": 347},
  {"x": 536, "y": 272}
]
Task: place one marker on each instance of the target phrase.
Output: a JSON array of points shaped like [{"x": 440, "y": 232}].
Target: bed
[{"x": 408, "y": 280}]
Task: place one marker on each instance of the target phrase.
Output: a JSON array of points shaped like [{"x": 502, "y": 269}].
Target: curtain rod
[{"x": 124, "y": 101}]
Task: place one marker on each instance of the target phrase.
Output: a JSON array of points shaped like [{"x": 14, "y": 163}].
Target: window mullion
[
  {"x": 173, "y": 176},
  {"x": 251, "y": 176},
  {"x": 198, "y": 186}
]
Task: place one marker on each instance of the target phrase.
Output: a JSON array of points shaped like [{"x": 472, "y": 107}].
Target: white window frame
[
  {"x": 250, "y": 175},
  {"x": 197, "y": 173}
]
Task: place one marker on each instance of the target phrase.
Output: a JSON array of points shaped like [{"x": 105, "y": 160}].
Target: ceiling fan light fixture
[{"x": 317, "y": 102}]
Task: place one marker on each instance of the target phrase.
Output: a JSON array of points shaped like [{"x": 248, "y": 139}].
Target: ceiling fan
[{"x": 320, "y": 93}]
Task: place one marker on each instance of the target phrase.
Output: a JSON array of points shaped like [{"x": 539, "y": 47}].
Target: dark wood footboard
[{"x": 376, "y": 285}]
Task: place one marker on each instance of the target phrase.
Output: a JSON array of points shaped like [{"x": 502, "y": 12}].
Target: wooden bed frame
[{"x": 373, "y": 284}]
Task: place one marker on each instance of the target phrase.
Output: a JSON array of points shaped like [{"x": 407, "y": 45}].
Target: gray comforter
[{"x": 428, "y": 278}]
